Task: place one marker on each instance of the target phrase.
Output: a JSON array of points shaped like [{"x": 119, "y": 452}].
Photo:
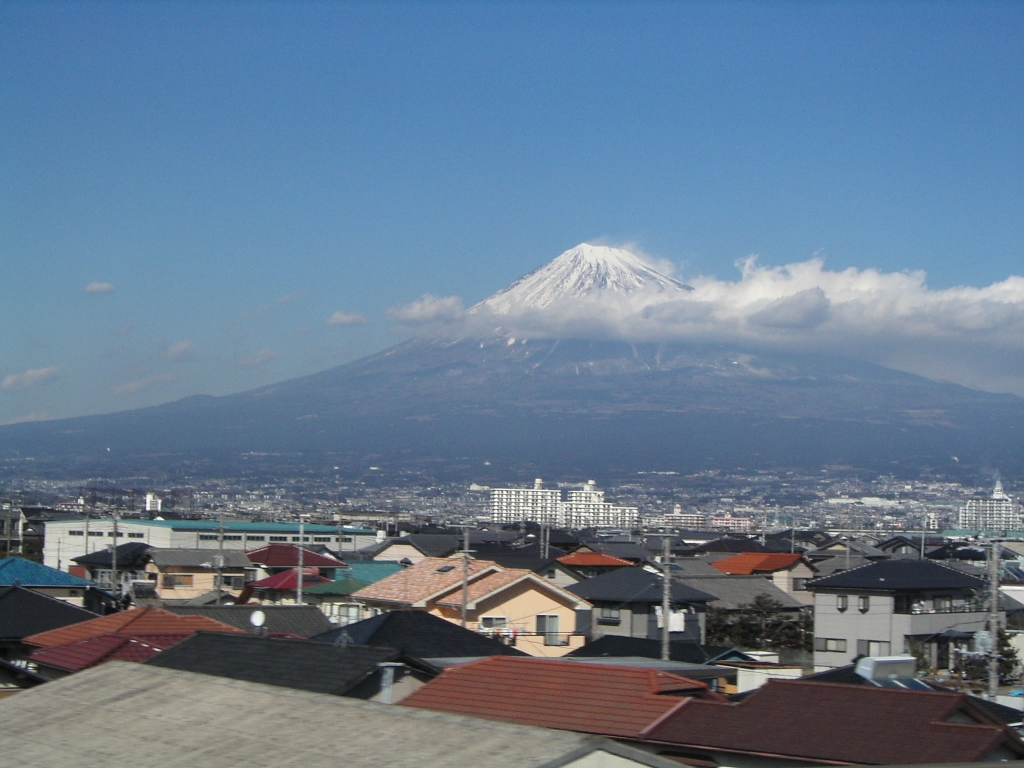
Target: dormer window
[{"x": 842, "y": 603}]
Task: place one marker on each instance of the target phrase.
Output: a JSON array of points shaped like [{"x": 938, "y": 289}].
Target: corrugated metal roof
[{"x": 32, "y": 574}]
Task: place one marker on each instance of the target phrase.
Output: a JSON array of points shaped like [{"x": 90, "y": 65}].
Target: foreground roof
[
  {"x": 895, "y": 575},
  {"x": 634, "y": 585},
  {"x": 588, "y": 698},
  {"x": 18, "y": 570},
  {"x": 302, "y": 664},
  {"x": 302, "y": 620},
  {"x": 135, "y": 622},
  {"x": 420, "y": 634},
  {"x": 82, "y": 654},
  {"x": 840, "y": 723},
  {"x": 181, "y": 719},
  {"x": 24, "y": 612}
]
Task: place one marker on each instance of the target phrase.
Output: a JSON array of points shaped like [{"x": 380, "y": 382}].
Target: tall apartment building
[
  {"x": 585, "y": 508},
  {"x": 996, "y": 512}
]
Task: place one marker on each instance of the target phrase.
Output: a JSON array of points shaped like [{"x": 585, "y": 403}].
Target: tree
[{"x": 763, "y": 623}]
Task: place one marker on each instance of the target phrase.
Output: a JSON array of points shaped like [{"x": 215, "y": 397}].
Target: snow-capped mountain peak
[{"x": 585, "y": 271}]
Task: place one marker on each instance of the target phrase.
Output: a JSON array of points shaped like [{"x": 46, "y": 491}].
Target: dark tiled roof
[
  {"x": 888, "y": 575},
  {"x": 420, "y": 634},
  {"x": 634, "y": 585},
  {"x": 588, "y": 698},
  {"x": 301, "y": 664},
  {"x": 301, "y": 620},
  {"x": 732, "y": 545},
  {"x": 130, "y": 556},
  {"x": 624, "y": 549},
  {"x": 24, "y": 612},
  {"x": 840, "y": 723},
  {"x": 616, "y": 646},
  {"x": 527, "y": 557},
  {"x": 432, "y": 544},
  {"x": 198, "y": 558}
]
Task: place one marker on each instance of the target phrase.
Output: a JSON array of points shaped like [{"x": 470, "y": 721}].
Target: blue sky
[{"x": 228, "y": 176}]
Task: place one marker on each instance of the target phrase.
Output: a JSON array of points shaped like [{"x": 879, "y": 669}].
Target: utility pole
[
  {"x": 465, "y": 573},
  {"x": 115, "y": 584},
  {"x": 220, "y": 560},
  {"x": 993, "y": 619},
  {"x": 847, "y": 552},
  {"x": 299, "y": 579},
  {"x": 666, "y": 595}
]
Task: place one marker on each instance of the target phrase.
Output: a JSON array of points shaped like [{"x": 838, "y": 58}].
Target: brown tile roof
[
  {"x": 431, "y": 576},
  {"x": 593, "y": 559},
  {"x": 287, "y": 556},
  {"x": 839, "y": 723},
  {"x": 747, "y": 563},
  {"x": 83, "y": 654},
  {"x": 492, "y": 582},
  {"x": 135, "y": 622},
  {"x": 588, "y": 698}
]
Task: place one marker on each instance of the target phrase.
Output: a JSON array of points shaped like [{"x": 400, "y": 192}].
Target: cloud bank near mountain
[{"x": 969, "y": 335}]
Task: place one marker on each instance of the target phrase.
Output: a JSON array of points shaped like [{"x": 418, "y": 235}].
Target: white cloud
[
  {"x": 132, "y": 387},
  {"x": 98, "y": 287},
  {"x": 969, "y": 335},
  {"x": 179, "y": 350},
  {"x": 260, "y": 358},
  {"x": 428, "y": 309},
  {"x": 343, "y": 318},
  {"x": 33, "y": 377},
  {"x": 34, "y": 416}
]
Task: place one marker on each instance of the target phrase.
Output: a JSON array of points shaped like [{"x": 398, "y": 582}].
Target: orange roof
[
  {"x": 140, "y": 621},
  {"x": 571, "y": 696},
  {"x": 747, "y": 563},
  {"x": 429, "y": 577},
  {"x": 592, "y": 559}
]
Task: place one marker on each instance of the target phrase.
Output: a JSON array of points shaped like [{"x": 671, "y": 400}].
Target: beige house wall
[
  {"x": 399, "y": 552},
  {"x": 203, "y": 581},
  {"x": 784, "y": 581}
]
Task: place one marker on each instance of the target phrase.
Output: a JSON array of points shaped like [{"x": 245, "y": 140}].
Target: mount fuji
[{"x": 556, "y": 403}]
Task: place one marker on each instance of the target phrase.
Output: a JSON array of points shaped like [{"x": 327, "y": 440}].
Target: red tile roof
[
  {"x": 140, "y": 621},
  {"x": 840, "y": 723},
  {"x": 83, "y": 654},
  {"x": 593, "y": 559},
  {"x": 288, "y": 580},
  {"x": 747, "y": 563},
  {"x": 588, "y": 698},
  {"x": 287, "y": 556}
]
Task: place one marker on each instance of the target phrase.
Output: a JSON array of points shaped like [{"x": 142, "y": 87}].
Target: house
[
  {"x": 538, "y": 616},
  {"x": 587, "y": 565},
  {"x": 138, "y": 621},
  {"x": 614, "y": 701},
  {"x": 61, "y": 660},
  {"x": 334, "y": 599},
  {"x": 371, "y": 673},
  {"x": 297, "y": 620},
  {"x": 414, "y": 547},
  {"x": 624, "y": 550},
  {"x": 788, "y": 572},
  {"x": 791, "y": 721},
  {"x": 736, "y": 593},
  {"x": 131, "y": 559},
  {"x": 627, "y": 601},
  {"x": 25, "y": 612},
  {"x": 180, "y": 719},
  {"x": 57, "y": 584},
  {"x": 895, "y": 606},
  {"x": 618, "y": 646},
  {"x": 276, "y": 558},
  {"x": 184, "y": 574},
  {"x": 422, "y": 635},
  {"x": 282, "y": 588}
]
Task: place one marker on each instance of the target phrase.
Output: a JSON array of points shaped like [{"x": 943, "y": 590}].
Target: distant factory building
[
  {"x": 584, "y": 508},
  {"x": 996, "y": 512}
]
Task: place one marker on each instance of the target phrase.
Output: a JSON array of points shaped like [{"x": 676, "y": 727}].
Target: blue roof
[
  {"x": 244, "y": 527},
  {"x": 372, "y": 571},
  {"x": 32, "y": 574}
]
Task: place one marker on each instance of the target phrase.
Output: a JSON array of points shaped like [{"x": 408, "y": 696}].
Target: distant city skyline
[{"x": 204, "y": 199}]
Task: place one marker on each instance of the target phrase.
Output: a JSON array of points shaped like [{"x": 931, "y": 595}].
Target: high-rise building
[
  {"x": 584, "y": 508},
  {"x": 153, "y": 502},
  {"x": 996, "y": 512}
]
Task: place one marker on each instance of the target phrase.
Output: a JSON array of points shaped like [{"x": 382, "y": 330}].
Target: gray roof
[
  {"x": 198, "y": 558},
  {"x": 731, "y": 592},
  {"x": 302, "y": 620},
  {"x": 182, "y": 719}
]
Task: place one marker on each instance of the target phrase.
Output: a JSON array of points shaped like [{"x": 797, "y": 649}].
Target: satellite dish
[{"x": 257, "y": 618}]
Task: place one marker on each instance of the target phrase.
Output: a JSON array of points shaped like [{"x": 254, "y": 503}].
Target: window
[
  {"x": 296, "y": 538},
  {"x": 548, "y": 626},
  {"x": 842, "y": 603},
  {"x": 322, "y": 538},
  {"x": 173, "y": 580},
  {"x": 609, "y": 612},
  {"x": 95, "y": 533},
  {"x": 942, "y": 603},
  {"x": 255, "y": 538},
  {"x": 490, "y": 622},
  {"x": 279, "y": 538},
  {"x": 873, "y": 648},
  {"x": 208, "y": 537},
  {"x": 799, "y": 585},
  {"x": 863, "y": 603},
  {"x": 111, "y": 534},
  {"x": 136, "y": 535},
  {"x": 76, "y": 533},
  {"x": 232, "y": 538},
  {"x": 830, "y": 644},
  {"x": 234, "y": 582},
  {"x": 346, "y": 539}
]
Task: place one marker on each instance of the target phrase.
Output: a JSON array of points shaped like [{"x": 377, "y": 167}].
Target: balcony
[{"x": 929, "y": 607}]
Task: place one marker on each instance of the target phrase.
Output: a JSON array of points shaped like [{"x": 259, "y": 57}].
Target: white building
[
  {"x": 153, "y": 502},
  {"x": 997, "y": 512},
  {"x": 67, "y": 539},
  {"x": 732, "y": 524},
  {"x": 677, "y": 518},
  {"x": 585, "y": 508}
]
